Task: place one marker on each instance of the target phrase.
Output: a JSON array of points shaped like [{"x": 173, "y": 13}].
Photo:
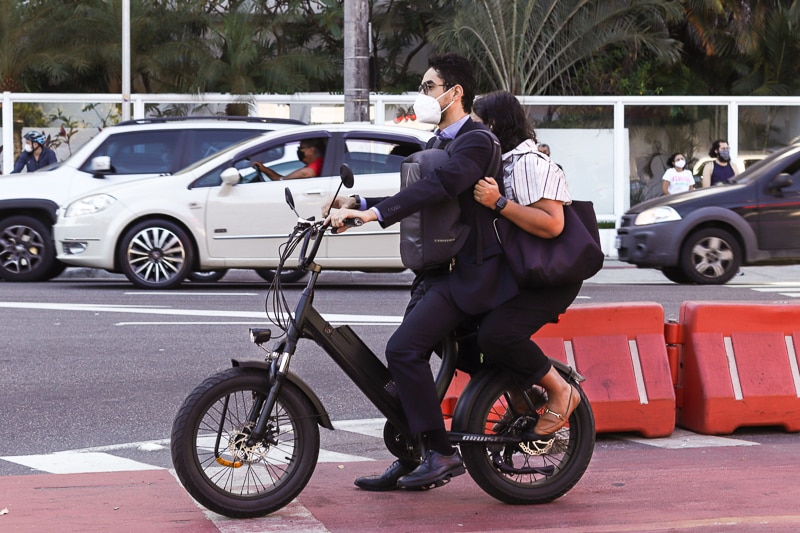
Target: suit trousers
[{"x": 428, "y": 321}]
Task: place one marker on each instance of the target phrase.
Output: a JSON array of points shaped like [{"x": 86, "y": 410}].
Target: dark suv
[
  {"x": 132, "y": 150},
  {"x": 704, "y": 236}
]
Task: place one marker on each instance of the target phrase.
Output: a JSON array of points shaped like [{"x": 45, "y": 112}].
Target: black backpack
[{"x": 432, "y": 236}]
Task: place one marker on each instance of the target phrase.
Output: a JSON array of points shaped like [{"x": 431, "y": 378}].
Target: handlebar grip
[{"x": 350, "y": 223}]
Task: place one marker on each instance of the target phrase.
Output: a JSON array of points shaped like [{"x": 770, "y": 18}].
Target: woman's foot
[
  {"x": 557, "y": 412},
  {"x": 520, "y": 407}
]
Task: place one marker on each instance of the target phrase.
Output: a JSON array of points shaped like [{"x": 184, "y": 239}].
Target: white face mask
[
  {"x": 28, "y": 147},
  {"x": 680, "y": 164},
  {"x": 427, "y": 108}
]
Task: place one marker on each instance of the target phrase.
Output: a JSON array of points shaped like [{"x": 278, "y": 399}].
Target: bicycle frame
[{"x": 351, "y": 354}]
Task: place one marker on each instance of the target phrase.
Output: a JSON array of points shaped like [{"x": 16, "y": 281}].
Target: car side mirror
[
  {"x": 230, "y": 176},
  {"x": 101, "y": 165},
  {"x": 781, "y": 181}
]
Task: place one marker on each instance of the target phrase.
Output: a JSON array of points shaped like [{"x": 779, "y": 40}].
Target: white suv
[{"x": 132, "y": 150}]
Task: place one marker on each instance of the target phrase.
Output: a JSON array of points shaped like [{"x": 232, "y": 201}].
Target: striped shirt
[{"x": 529, "y": 176}]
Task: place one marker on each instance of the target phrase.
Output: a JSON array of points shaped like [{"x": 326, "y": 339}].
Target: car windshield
[
  {"x": 755, "y": 170},
  {"x": 229, "y": 149}
]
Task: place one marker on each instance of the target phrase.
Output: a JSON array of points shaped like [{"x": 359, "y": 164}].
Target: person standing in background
[
  {"x": 676, "y": 178},
  {"x": 722, "y": 168},
  {"x": 544, "y": 148}
]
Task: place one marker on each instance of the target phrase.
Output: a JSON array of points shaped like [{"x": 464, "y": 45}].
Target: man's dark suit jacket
[{"x": 480, "y": 280}]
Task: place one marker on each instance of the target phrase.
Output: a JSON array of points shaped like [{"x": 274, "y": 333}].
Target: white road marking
[
  {"x": 79, "y": 463},
  {"x": 371, "y": 427},
  {"x": 101, "y": 458},
  {"x": 294, "y": 517},
  {"x": 185, "y": 293},
  {"x": 327, "y": 456},
  {"x": 135, "y": 309},
  {"x": 682, "y": 438}
]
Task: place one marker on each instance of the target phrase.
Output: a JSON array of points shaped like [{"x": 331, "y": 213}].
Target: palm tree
[
  {"x": 30, "y": 41},
  {"x": 535, "y": 46}
]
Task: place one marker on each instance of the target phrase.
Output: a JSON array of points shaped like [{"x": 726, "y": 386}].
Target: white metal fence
[{"x": 601, "y": 161}]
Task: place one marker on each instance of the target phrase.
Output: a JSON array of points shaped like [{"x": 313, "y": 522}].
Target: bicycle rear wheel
[{"x": 528, "y": 471}]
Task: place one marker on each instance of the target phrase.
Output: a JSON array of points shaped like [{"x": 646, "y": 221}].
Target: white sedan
[{"x": 156, "y": 231}]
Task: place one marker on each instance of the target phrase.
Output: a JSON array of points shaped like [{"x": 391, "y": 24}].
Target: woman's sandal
[
  {"x": 520, "y": 408},
  {"x": 555, "y": 420}
]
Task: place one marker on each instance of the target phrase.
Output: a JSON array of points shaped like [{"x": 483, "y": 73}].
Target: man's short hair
[
  {"x": 455, "y": 69},
  {"x": 318, "y": 143}
]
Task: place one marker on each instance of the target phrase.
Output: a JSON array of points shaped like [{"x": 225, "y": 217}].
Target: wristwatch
[
  {"x": 500, "y": 204},
  {"x": 357, "y": 198}
]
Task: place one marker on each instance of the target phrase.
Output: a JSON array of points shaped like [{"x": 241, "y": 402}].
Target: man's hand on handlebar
[{"x": 338, "y": 218}]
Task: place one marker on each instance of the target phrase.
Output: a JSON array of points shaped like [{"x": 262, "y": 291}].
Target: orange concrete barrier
[
  {"x": 620, "y": 349},
  {"x": 739, "y": 366}
]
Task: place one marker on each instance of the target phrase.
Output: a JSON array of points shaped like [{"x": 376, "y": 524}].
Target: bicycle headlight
[
  {"x": 656, "y": 215},
  {"x": 89, "y": 205}
]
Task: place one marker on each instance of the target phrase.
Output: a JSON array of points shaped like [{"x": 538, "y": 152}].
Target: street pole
[
  {"x": 356, "y": 61},
  {"x": 126, "y": 59}
]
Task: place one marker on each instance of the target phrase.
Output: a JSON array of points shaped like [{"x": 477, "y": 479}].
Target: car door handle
[{"x": 314, "y": 192}]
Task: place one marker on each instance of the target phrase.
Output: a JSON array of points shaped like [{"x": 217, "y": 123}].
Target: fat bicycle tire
[
  {"x": 237, "y": 481},
  {"x": 504, "y": 471}
]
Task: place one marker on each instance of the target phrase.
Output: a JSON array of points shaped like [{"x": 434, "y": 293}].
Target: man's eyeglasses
[{"x": 428, "y": 85}]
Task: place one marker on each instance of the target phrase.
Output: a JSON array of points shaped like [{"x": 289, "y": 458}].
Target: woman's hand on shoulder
[{"x": 486, "y": 192}]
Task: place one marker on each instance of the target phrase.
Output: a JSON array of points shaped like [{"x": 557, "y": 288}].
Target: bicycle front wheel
[{"x": 213, "y": 459}]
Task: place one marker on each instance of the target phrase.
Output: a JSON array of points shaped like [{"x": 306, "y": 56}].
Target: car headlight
[
  {"x": 656, "y": 215},
  {"x": 89, "y": 205}
]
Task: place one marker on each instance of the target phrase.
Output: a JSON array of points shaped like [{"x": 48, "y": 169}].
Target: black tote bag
[{"x": 574, "y": 256}]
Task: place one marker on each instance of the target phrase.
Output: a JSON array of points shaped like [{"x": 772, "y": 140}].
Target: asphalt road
[
  {"x": 92, "y": 372},
  {"x": 90, "y": 362}
]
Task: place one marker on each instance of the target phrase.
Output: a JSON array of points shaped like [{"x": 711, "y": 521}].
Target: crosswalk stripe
[{"x": 79, "y": 463}]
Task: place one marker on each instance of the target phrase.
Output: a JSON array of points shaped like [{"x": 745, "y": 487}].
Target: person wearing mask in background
[
  {"x": 722, "y": 168},
  {"x": 676, "y": 178},
  {"x": 311, "y": 153},
  {"x": 35, "y": 154}
]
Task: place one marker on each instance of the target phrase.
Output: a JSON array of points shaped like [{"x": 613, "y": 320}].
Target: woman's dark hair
[
  {"x": 714, "y": 152},
  {"x": 504, "y": 115},
  {"x": 454, "y": 70},
  {"x": 671, "y": 160}
]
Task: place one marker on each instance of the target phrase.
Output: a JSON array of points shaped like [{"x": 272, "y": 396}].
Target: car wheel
[
  {"x": 209, "y": 276},
  {"x": 287, "y": 276},
  {"x": 156, "y": 254},
  {"x": 27, "y": 250},
  {"x": 711, "y": 256},
  {"x": 675, "y": 274}
]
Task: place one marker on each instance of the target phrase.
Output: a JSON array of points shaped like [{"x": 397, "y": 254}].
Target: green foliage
[
  {"x": 541, "y": 58},
  {"x": 624, "y": 47}
]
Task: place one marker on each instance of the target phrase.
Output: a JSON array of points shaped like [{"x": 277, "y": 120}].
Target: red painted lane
[
  {"x": 138, "y": 501},
  {"x": 632, "y": 489}
]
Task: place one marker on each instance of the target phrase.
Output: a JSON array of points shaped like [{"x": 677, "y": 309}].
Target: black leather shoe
[
  {"x": 387, "y": 480},
  {"x": 435, "y": 471}
]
